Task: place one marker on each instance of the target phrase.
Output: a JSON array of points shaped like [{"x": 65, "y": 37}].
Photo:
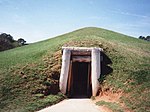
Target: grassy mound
[{"x": 29, "y": 74}]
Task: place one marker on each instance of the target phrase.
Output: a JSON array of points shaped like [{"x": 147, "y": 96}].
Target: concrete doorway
[{"x": 81, "y": 80}]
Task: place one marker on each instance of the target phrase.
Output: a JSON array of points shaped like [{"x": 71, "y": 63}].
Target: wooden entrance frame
[{"x": 80, "y": 54}]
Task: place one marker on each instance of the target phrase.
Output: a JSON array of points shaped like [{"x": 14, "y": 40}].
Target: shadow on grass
[{"x": 105, "y": 68}]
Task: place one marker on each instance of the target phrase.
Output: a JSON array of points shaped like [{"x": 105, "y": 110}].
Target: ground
[
  {"x": 110, "y": 102},
  {"x": 73, "y": 105}
]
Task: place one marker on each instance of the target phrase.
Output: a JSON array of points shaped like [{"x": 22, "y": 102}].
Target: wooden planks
[
  {"x": 81, "y": 53},
  {"x": 81, "y": 58}
]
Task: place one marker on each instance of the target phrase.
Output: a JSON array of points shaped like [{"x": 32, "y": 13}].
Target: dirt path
[{"x": 73, "y": 105}]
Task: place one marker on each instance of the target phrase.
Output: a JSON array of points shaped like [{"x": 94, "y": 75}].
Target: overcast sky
[{"x": 36, "y": 20}]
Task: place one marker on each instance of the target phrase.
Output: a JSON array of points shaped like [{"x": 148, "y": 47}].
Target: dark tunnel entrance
[{"x": 80, "y": 80}]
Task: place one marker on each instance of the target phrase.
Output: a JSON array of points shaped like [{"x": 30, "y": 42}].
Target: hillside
[{"x": 29, "y": 74}]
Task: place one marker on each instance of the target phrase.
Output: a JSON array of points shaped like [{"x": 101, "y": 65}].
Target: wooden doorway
[
  {"x": 80, "y": 55},
  {"x": 79, "y": 80}
]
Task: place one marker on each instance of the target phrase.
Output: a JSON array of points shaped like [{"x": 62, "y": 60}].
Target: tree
[
  {"x": 21, "y": 41},
  {"x": 148, "y": 38},
  {"x": 145, "y": 38},
  {"x": 6, "y": 42},
  {"x": 142, "y": 37},
  {"x": 6, "y": 37}
]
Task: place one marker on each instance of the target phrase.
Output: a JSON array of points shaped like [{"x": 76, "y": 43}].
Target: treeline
[
  {"x": 8, "y": 42},
  {"x": 145, "y": 38}
]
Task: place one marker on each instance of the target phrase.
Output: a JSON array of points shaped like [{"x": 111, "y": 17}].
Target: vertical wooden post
[
  {"x": 69, "y": 78},
  {"x": 89, "y": 78},
  {"x": 95, "y": 70},
  {"x": 64, "y": 70}
]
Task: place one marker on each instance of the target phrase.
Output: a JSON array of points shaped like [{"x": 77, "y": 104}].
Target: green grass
[
  {"x": 41, "y": 103},
  {"x": 115, "y": 107},
  {"x": 28, "y": 70}
]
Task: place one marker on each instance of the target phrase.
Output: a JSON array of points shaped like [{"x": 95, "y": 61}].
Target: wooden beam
[
  {"x": 81, "y": 58},
  {"x": 70, "y": 77},
  {"x": 81, "y": 53},
  {"x": 81, "y": 48},
  {"x": 89, "y": 78}
]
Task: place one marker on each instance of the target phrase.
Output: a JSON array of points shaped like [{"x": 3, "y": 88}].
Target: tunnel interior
[{"x": 80, "y": 80}]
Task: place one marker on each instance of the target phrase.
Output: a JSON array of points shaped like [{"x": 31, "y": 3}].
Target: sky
[{"x": 36, "y": 20}]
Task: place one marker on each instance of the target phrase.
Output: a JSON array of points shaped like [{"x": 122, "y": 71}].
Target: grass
[
  {"x": 41, "y": 103},
  {"x": 115, "y": 107},
  {"x": 27, "y": 71}
]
